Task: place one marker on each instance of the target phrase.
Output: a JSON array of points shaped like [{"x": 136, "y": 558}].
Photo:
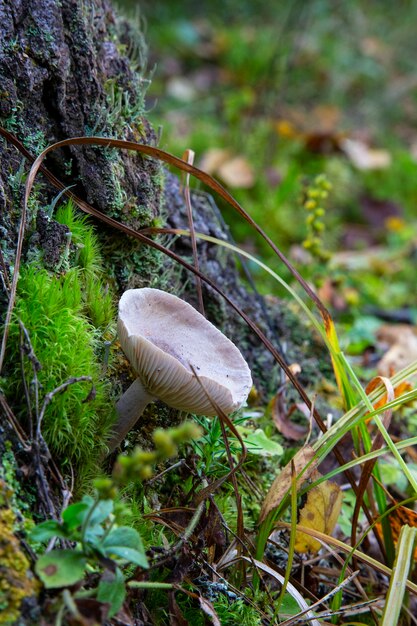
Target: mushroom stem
[{"x": 129, "y": 409}]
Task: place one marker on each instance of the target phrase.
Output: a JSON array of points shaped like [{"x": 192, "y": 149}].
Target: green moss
[
  {"x": 230, "y": 609},
  {"x": 21, "y": 499},
  {"x": 64, "y": 343},
  {"x": 34, "y": 140},
  {"x": 86, "y": 256},
  {"x": 63, "y": 316}
]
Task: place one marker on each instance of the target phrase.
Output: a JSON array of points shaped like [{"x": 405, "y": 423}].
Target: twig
[
  {"x": 189, "y": 157},
  {"x": 165, "y": 471},
  {"x": 27, "y": 349},
  {"x": 54, "y": 392},
  {"x": 21, "y": 435},
  {"x": 3, "y": 274}
]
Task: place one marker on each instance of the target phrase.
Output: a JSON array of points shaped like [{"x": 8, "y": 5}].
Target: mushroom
[{"x": 165, "y": 339}]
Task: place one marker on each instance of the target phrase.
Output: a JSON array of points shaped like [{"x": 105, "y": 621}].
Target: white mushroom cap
[{"x": 162, "y": 336}]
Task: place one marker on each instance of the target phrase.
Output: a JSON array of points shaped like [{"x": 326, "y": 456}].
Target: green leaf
[
  {"x": 124, "y": 536},
  {"x": 128, "y": 554},
  {"x": 112, "y": 590},
  {"x": 47, "y": 530},
  {"x": 126, "y": 543},
  {"x": 61, "y": 568},
  {"x": 74, "y": 515},
  {"x": 101, "y": 512},
  {"x": 258, "y": 443}
]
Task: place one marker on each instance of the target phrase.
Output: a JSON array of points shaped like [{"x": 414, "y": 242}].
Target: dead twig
[
  {"x": 189, "y": 157},
  {"x": 49, "y": 396}
]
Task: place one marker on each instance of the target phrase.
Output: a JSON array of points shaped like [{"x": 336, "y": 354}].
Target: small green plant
[
  {"x": 94, "y": 524},
  {"x": 103, "y": 545},
  {"x": 314, "y": 198}
]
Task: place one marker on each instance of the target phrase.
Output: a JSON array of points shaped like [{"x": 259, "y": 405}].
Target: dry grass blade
[
  {"x": 295, "y": 619},
  {"x": 376, "y": 444},
  {"x": 290, "y": 588},
  {"x": 14, "y": 423},
  {"x": 190, "y": 169},
  {"x": 225, "y": 421},
  {"x": 189, "y": 157},
  {"x": 361, "y": 556}
]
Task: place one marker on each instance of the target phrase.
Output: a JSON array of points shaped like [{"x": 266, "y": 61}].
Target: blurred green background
[{"x": 272, "y": 94}]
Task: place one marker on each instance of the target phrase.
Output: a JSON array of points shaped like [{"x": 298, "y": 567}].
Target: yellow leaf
[
  {"x": 282, "y": 482},
  {"x": 320, "y": 512}
]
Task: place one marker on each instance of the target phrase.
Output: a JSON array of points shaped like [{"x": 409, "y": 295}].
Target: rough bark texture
[{"x": 71, "y": 69}]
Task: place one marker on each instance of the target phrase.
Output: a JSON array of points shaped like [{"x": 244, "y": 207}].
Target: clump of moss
[
  {"x": 65, "y": 316},
  {"x": 86, "y": 256},
  {"x": 16, "y": 580},
  {"x": 64, "y": 342}
]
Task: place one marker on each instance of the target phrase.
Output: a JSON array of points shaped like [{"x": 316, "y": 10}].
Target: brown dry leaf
[
  {"x": 282, "y": 419},
  {"x": 234, "y": 170},
  {"x": 237, "y": 173},
  {"x": 376, "y": 48},
  {"x": 282, "y": 482},
  {"x": 398, "y": 518},
  {"x": 213, "y": 159},
  {"x": 316, "y": 128},
  {"x": 393, "y": 333},
  {"x": 364, "y": 157},
  {"x": 209, "y": 610},
  {"x": 320, "y": 512}
]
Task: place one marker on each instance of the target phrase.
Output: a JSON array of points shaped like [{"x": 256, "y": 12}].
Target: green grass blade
[{"x": 397, "y": 586}]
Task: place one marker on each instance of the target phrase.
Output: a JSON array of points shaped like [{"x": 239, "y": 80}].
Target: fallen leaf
[
  {"x": 316, "y": 128},
  {"x": 397, "y": 519},
  {"x": 282, "y": 482},
  {"x": 363, "y": 157},
  {"x": 403, "y": 350},
  {"x": 393, "y": 333},
  {"x": 289, "y": 429},
  {"x": 234, "y": 170},
  {"x": 320, "y": 512},
  {"x": 237, "y": 173},
  {"x": 209, "y": 610},
  {"x": 376, "y": 48},
  {"x": 213, "y": 158}
]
